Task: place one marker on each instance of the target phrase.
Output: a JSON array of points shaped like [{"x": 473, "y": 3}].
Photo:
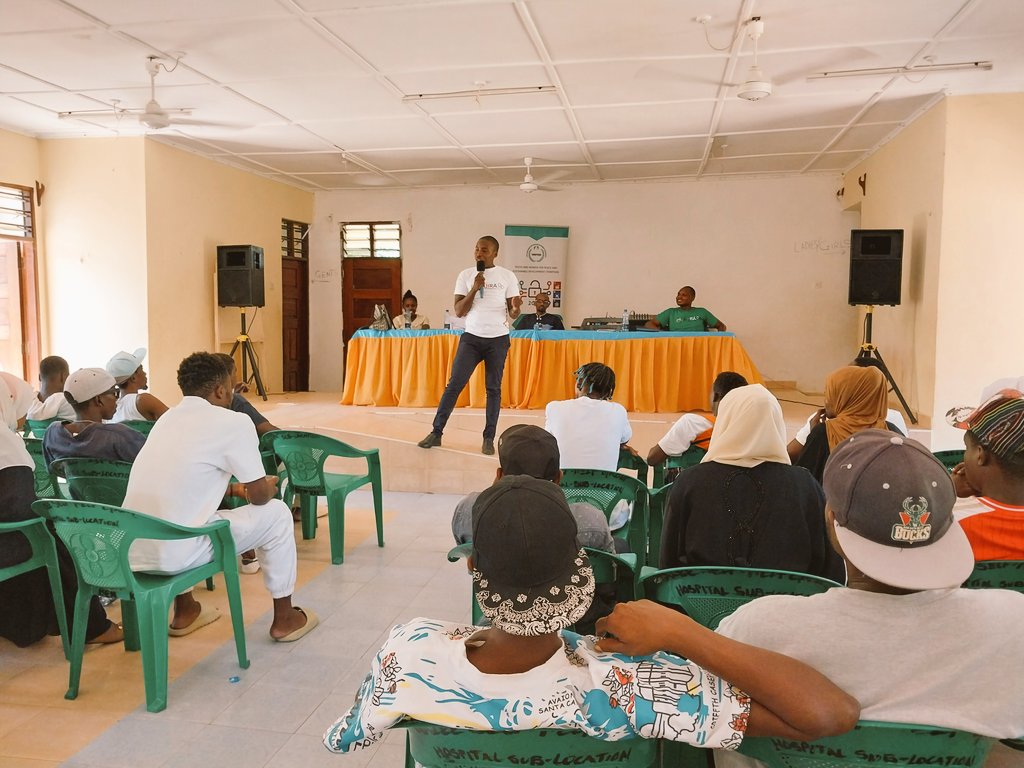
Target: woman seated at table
[
  {"x": 409, "y": 319},
  {"x": 744, "y": 505}
]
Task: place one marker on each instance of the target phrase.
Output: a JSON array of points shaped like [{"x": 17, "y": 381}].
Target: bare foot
[
  {"x": 113, "y": 634},
  {"x": 185, "y": 613}
]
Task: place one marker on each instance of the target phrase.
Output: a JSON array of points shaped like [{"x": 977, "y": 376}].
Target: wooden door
[
  {"x": 295, "y": 324},
  {"x": 366, "y": 282}
]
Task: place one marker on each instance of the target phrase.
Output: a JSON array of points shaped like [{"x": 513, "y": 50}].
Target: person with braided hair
[{"x": 590, "y": 428}]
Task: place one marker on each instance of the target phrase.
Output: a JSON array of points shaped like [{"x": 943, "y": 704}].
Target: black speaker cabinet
[
  {"x": 240, "y": 276},
  {"x": 876, "y": 266}
]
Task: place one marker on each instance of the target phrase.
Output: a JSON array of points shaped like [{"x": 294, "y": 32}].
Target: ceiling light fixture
[
  {"x": 922, "y": 69},
  {"x": 515, "y": 91}
]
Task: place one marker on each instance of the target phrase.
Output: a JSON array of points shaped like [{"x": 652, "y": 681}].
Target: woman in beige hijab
[
  {"x": 855, "y": 399},
  {"x": 744, "y": 505}
]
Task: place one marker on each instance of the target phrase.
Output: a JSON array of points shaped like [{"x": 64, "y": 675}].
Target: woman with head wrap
[
  {"x": 744, "y": 505},
  {"x": 855, "y": 399}
]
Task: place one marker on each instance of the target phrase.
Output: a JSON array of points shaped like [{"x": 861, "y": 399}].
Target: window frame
[{"x": 372, "y": 237}]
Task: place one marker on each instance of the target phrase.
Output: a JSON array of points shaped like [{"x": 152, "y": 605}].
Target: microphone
[{"x": 480, "y": 268}]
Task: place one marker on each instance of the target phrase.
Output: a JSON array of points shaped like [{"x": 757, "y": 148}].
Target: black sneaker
[
  {"x": 433, "y": 440},
  {"x": 487, "y": 449}
]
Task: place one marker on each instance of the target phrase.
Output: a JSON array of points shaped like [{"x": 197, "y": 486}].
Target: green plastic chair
[
  {"x": 708, "y": 594},
  {"x": 873, "y": 744},
  {"x": 99, "y": 537},
  {"x": 304, "y": 455},
  {"x": 435, "y": 746},
  {"x": 691, "y": 457},
  {"x": 609, "y": 568},
  {"x": 46, "y": 484},
  {"x": 628, "y": 461},
  {"x": 273, "y": 465},
  {"x": 657, "y": 500},
  {"x": 98, "y": 480},
  {"x": 605, "y": 490},
  {"x": 949, "y": 459},
  {"x": 37, "y": 427},
  {"x": 44, "y": 555},
  {"x": 997, "y": 574},
  {"x": 140, "y": 425}
]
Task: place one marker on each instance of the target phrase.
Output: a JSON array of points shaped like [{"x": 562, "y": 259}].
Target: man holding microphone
[{"x": 487, "y": 296}]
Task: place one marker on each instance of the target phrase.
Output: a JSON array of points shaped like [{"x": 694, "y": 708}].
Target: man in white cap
[
  {"x": 91, "y": 392},
  {"x": 133, "y": 404}
]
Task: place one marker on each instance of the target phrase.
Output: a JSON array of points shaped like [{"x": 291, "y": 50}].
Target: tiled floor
[{"x": 274, "y": 713}]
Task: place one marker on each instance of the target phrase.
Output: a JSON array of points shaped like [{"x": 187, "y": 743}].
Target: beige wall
[
  {"x": 767, "y": 256},
  {"x": 194, "y": 205},
  {"x": 95, "y": 247},
  {"x": 981, "y": 276},
  {"x": 19, "y": 159},
  {"x": 905, "y": 191}
]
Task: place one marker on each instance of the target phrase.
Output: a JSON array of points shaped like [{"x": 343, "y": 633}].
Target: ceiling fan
[
  {"x": 153, "y": 116},
  {"x": 529, "y": 185}
]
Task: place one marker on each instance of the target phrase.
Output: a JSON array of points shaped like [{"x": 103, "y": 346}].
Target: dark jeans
[{"x": 472, "y": 349}]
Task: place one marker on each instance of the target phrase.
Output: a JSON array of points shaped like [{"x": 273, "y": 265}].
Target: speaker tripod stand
[
  {"x": 249, "y": 356},
  {"x": 869, "y": 351}
]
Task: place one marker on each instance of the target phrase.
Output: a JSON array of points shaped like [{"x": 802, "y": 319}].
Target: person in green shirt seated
[{"x": 685, "y": 316}]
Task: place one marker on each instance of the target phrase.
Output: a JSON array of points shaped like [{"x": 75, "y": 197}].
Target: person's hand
[
  {"x": 963, "y": 488},
  {"x": 641, "y": 628},
  {"x": 241, "y": 387},
  {"x": 478, "y": 281},
  {"x": 272, "y": 483},
  {"x": 818, "y": 417},
  {"x": 630, "y": 450},
  {"x": 517, "y": 302}
]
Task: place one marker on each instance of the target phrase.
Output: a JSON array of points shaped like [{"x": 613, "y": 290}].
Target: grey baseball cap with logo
[{"x": 893, "y": 507}]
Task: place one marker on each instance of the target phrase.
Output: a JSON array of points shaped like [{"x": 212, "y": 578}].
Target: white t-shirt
[
  {"x": 681, "y": 434},
  {"x": 944, "y": 657},
  {"x": 182, "y": 473},
  {"x": 54, "y": 406},
  {"x": 16, "y": 398},
  {"x": 423, "y": 672},
  {"x": 589, "y": 432},
  {"x": 12, "y": 450},
  {"x": 128, "y": 409},
  {"x": 488, "y": 317},
  {"x": 893, "y": 417}
]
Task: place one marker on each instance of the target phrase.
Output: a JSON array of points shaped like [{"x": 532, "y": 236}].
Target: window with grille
[
  {"x": 371, "y": 239},
  {"x": 15, "y": 212},
  {"x": 294, "y": 239}
]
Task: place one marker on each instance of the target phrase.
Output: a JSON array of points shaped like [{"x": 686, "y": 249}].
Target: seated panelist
[
  {"x": 409, "y": 319},
  {"x": 540, "y": 319},
  {"x": 686, "y": 317}
]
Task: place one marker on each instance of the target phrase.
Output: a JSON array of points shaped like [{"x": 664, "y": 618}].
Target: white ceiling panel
[
  {"x": 508, "y": 128},
  {"x": 459, "y": 35},
  {"x": 645, "y": 120},
  {"x": 649, "y": 150},
  {"x": 378, "y": 133},
  {"x": 291, "y": 83}
]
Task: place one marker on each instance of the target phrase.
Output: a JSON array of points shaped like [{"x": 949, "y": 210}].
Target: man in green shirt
[{"x": 685, "y": 316}]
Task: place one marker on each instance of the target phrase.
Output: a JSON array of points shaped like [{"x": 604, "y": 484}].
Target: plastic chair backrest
[
  {"x": 435, "y": 746},
  {"x": 304, "y": 455},
  {"x": 874, "y": 744},
  {"x": 657, "y": 500},
  {"x": 997, "y": 574},
  {"x": 99, "y": 480},
  {"x": 99, "y": 537},
  {"x": 37, "y": 427},
  {"x": 45, "y": 481},
  {"x": 605, "y": 490},
  {"x": 949, "y": 459},
  {"x": 629, "y": 461},
  {"x": 140, "y": 425},
  {"x": 691, "y": 457},
  {"x": 708, "y": 594}
]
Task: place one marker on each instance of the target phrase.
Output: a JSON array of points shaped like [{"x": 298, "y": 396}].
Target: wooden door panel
[
  {"x": 366, "y": 282},
  {"x": 295, "y": 324}
]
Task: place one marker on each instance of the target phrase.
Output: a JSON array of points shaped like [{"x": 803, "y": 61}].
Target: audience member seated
[
  {"x": 990, "y": 480},
  {"x": 591, "y": 428},
  {"x": 744, "y": 505},
  {"x": 524, "y": 449},
  {"x": 132, "y": 403},
  {"x": 91, "y": 393},
  {"x": 855, "y": 398},
  {"x": 181, "y": 476},
  {"x": 527, "y": 670},
  {"x": 28, "y": 614},
  {"x": 540, "y": 319},
  {"x": 903, "y": 636},
  {"x": 49, "y": 402},
  {"x": 409, "y": 319},
  {"x": 694, "y": 429},
  {"x": 16, "y": 398},
  {"x": 239, "y": 403},
  {"x": 893, "y": 418}
]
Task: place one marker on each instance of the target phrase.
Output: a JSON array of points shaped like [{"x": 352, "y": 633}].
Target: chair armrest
[{"x": 20, "y": 525}]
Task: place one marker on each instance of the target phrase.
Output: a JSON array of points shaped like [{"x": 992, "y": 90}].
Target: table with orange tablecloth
[{"x": 656, "y": 372}]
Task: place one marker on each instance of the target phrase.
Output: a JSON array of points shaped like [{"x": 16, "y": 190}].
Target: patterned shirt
[{"x": 423, "y": 673}]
